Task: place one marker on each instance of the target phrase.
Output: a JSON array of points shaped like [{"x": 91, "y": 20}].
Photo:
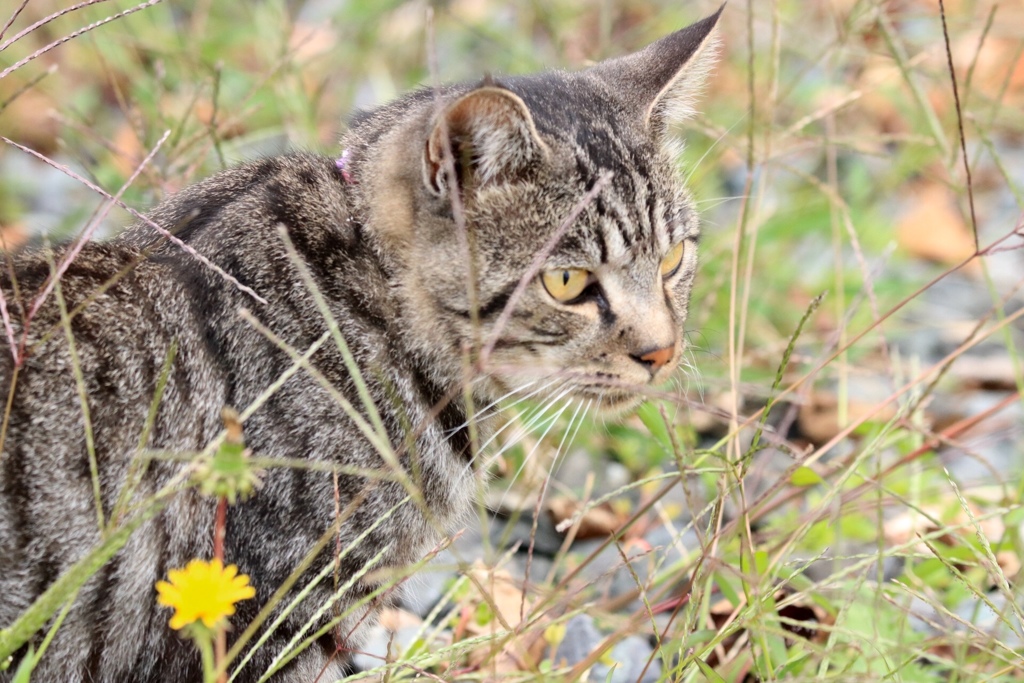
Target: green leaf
[
  {"x": 805, "y": 476},
  {"x": 795, "y": 665},
  {"x": 761, "y": 561},
  {"x": 708, "y": 672},
  {"x": 655, "y": 423},
  {"x": 28, "y": 663},
  {"x": 483, "y": 615},
  {"x": 771, "y": 650},
  {"x": 729, "y": 591},
  {"x": 1014, "y": 517}
]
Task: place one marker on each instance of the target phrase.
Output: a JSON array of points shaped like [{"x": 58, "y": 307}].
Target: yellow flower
[{"x": 204, "y": 591}]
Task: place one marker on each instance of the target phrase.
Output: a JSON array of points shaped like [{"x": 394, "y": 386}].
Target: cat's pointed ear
[
  {"x": 661, "y": 82},
  {"x": 491, "y": 135}
]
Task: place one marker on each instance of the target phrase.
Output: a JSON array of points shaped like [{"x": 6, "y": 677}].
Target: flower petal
[{"x": 205, "y": 591}]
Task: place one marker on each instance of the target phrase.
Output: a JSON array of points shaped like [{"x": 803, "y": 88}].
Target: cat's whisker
[
  {"x": 536, "y": 417},
  {"x": 711, "y": 147},
  {"x": 491, "y": 408},
  {"x": 694, "y": 372},
  {"x": 530, "y": 413},
  {"x": 714, "y": 202},
  {"x": 529, "y": 456},
  {"x": 567, "y": 439},
  {"x": 690, "y": 345},
  {"x": 547, "y": 421},
  {"x": 600, "y": 415},
  {"x": 569, "y": 434},
  {"x": 687, "y": 376},
  {"x": 523, "y": 426},
  {"x": 551, "y": 382},
  {"x": 719, "y": 200}
]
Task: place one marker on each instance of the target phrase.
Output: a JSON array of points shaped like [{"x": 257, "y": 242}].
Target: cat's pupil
[{"x": 565, "y": 277}]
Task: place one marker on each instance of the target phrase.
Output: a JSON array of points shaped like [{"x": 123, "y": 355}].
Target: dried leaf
[
  {"x": 12, "y": 236},
  {"x": 818, "y": 419},
  {"x": 309, "y": 40},
  {"x": 596, "y": 522},
  {"x": 128, "y": 151},
  {"x": 934, "y": 229},
  {"x": 505, "y": 595},
  {"x": 27, "y": 119},
  {"x": 395, "y": 619},
  {"x": 911, "y": 524},
  {"x": 1009, "y": 562}
]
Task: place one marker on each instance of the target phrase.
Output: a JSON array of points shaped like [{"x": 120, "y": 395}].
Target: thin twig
[
  {"x": 977, "y": 53},
  {"x": 145, "y": 219},
  {"x": 465, "y": 236},
  {"x": 31, "y": 83},
  {"x": 74, "y": 34},
  {"x": 902, "y": 303},
  {"x": 455, "y": 196},
  {"x": 87, "y": 234},
  {"x": 538, "y": 263},
  {"x": 220, "y": 528},
  {"x": 83, "y": 398},
  {"x": 764, "y": 504},
  {"x": 9, "y": 329},
  {"x": 13, "y": 18},
  {"x": 42, "y": 22},
  {"x": 959, "y": 123},
  {"x": 905, "y": 63}
]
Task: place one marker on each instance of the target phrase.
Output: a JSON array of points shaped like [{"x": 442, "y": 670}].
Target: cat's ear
[
  {"x": 492, "y": 138},
  {"x": 661, "y": 82}
]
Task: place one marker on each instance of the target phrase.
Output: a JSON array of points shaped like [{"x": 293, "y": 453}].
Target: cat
[{"x": 563, "y": 190}]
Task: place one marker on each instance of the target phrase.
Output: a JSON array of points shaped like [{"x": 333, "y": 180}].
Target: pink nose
[{"x": 657, "y": 358}]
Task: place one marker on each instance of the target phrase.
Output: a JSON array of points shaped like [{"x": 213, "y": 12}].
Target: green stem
[{"x": 204, "y": 641}]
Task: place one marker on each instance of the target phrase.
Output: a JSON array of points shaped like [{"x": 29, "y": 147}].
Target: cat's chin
[{"x": 609, "y": 402}]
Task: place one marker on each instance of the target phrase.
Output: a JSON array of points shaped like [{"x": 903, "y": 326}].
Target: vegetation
[{"x": 838, "y": 470}]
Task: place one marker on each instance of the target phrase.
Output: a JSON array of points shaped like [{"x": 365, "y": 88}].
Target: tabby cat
[{"x": 411, "y": 247}]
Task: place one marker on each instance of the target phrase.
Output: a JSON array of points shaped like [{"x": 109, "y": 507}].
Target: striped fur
[{"x": 494, "y": 168}]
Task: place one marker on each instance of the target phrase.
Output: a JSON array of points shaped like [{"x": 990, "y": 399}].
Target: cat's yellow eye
[
  {"x": 670, "y": 264},
  {"x": 565, "y": 284}
]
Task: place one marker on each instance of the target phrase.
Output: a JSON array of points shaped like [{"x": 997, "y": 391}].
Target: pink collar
[{"x": 342, "y": 165}]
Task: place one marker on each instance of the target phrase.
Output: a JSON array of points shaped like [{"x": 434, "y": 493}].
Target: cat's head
[{"x": 496, "y": 170}]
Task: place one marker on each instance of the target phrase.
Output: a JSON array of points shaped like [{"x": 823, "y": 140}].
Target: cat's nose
[{"x": 654, "y": 359}]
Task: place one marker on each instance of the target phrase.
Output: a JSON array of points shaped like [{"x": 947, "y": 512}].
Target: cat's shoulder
[{"x": 291, "y": 189}]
